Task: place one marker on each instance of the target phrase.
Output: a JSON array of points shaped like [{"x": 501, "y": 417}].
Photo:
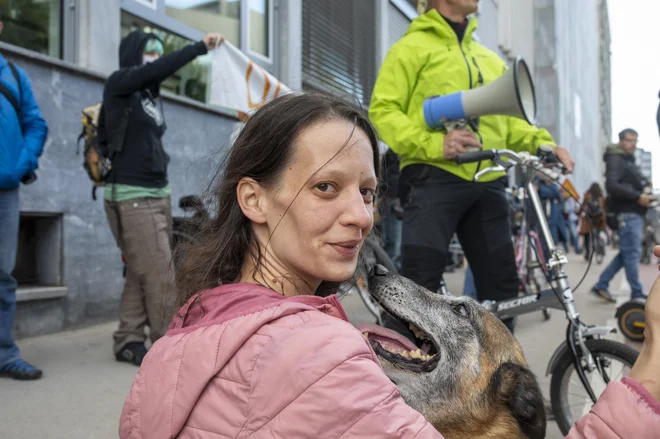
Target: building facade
[{"x": 69, "y": 268}]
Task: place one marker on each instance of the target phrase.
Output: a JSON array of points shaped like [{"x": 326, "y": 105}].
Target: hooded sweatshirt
[
  {"x": 243, "y": 361},
  {"x": 431, "y": 61},
  {"x": 623, "y": 181},
  {"x": 135, "y": 88}
]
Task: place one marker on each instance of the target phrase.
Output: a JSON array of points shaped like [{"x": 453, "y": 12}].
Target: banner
[
  {"x": 239, "y": 83},
  {"x": 568, "y": 186}
]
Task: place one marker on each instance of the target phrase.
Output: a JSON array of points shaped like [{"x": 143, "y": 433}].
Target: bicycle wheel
[{"x": 568, "y": 396}]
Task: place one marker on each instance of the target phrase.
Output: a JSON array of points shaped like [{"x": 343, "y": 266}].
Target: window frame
[
  {"x": 406, "y": 8},
  {"x": 245, "y": 34}
]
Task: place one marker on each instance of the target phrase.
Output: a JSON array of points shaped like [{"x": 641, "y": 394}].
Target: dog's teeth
[
  {"x": 417, "y": 354},
  {"x": 405, "y": 354}
]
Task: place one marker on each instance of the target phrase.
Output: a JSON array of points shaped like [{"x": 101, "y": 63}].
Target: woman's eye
[
  {"x": 325, "y": 187},
  {"x": 368, "y": 194}
]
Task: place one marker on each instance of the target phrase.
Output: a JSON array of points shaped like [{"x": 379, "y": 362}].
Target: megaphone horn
[{"x": 512, "y": 94}]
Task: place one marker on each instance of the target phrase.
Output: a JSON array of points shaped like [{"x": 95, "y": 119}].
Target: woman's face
[{"x": 321, "y": 210}]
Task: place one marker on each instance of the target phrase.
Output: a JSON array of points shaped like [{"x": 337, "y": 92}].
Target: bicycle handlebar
[{"x": 477, "y": 156}]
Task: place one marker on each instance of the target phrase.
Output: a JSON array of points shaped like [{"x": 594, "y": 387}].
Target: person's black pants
[{"x": 439, "y": 204}]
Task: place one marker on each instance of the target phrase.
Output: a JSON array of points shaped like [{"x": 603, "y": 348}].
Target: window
[
  {"x": 259, "y": 27},
  {"x": 339, "y": 47},
  {"x": 192, "y": 79},
  {"x": 33, "y": 25},
  {"x": 222, "y": 16}
]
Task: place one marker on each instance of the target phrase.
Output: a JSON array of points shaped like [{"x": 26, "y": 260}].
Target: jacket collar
[
  {"x": 230, "y": 301},
  {"x": 433, "y": 21}
]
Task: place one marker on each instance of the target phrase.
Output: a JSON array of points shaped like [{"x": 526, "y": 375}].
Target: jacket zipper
[{"x": 467, "y": 63}]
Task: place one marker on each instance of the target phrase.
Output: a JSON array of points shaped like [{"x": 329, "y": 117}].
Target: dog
[{"x": 465, "y": 372}]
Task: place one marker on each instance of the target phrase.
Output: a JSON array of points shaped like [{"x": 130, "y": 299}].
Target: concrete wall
[
  {"x": 196, "y": 138},
  {"x": 578, "y": 48},
  {"x": 605, "y": 65},
  {"x": 567, "y": 79}
]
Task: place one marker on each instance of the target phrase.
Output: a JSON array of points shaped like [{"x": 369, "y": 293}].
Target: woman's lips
[{"x": 348, "y": 249}]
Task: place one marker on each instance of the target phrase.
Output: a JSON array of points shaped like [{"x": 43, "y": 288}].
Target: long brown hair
[{"x": 262, "y": 150}]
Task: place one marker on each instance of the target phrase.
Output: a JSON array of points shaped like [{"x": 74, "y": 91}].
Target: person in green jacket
[{"x": 438, "y": 56}]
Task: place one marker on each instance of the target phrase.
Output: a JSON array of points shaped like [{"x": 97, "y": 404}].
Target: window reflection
[
  {"x": 33, "y": 24},
  {"x": 208, "y": 16},
  {"x": 259, "y": 27}
]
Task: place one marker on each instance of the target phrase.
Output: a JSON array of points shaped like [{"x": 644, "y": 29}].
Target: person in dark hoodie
[
  {"x": 627, "y": 189},
  {"x": 137, "y": 193}
]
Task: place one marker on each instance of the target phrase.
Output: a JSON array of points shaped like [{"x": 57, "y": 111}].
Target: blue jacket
[{"x": 21, "y": 141}]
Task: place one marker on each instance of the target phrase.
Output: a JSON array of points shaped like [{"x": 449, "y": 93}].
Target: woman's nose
[{"x": 358, "y": 213}]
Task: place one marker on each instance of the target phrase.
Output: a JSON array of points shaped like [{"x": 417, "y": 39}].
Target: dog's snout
[{"x": 378, "y": 270}]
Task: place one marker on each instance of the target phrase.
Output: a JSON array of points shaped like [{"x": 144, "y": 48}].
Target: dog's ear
[{"x": 517, "y": 389}]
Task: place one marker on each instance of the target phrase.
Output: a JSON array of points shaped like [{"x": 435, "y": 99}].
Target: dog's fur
[{"x": 481, "y": 386}]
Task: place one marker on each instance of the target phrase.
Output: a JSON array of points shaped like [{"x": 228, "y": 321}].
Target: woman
[
  {"x": 137, "y": 192},
  {"x": 255, "y": 350},
  {"x": 593, "y": 219}
]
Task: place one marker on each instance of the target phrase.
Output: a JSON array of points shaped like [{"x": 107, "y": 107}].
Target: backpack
[
  {"x": 97, "y": 153},
  {"x": 594, "y": 209},
  {"x": 10, "y": 97}
]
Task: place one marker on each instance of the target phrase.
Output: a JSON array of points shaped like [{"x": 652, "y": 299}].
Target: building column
[{"x": 290, "y": 65}]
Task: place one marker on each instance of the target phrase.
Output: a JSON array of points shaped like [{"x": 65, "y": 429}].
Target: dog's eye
[{"x": 461, "y": 309}]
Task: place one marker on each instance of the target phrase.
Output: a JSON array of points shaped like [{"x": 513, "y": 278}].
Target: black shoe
[
  {"x": 603, "y": 294},
  {"x": 20, "y": 370},
  {"x": 132, "y": 352}
]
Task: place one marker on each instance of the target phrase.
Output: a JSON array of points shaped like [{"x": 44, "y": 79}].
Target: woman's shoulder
[{"x": 316, "y": 328}]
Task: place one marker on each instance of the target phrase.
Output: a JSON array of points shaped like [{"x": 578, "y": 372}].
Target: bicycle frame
[{"x": 576, "y": 332}]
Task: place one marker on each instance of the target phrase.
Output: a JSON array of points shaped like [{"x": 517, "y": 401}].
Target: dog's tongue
[{"x": 387, "y": 335}]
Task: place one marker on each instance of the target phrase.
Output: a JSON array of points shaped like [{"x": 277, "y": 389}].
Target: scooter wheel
[{"x": 631, "y": 320}]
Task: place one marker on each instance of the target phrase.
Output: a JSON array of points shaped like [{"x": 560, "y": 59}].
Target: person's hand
[
  {"x": 212, "y": 40},
  {"x": 456, "y": 141},
  {"x": 647, "y": 367},
  {"x": 564, "y": 157},
  {"x": 644, "y": 200}
]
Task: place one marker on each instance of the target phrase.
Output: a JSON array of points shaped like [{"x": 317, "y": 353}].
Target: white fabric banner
[{"x": 239, "y": 83}]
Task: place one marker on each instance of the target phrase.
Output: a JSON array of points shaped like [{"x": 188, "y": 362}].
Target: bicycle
[
  {"x": 599, "y": 247},
  {"x": 585, "y": 352}
]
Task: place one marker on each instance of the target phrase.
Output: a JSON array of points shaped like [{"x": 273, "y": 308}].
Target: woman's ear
[{"x": 252, "y": 200}]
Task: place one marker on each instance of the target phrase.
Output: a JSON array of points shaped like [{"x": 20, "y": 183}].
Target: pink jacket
[{"x": 243, "y": 361}]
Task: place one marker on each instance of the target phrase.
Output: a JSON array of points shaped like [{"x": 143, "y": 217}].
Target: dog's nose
[{"x": 377, "y": 270}]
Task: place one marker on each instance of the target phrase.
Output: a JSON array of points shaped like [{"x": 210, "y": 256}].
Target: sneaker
[
  {"x": 603, "y": 294},
  {"x": 20, "y": 370},
  {"x": 133, "y": 353}
]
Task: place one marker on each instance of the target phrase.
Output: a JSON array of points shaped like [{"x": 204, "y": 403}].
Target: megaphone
[{"x": 511, "y": 94}]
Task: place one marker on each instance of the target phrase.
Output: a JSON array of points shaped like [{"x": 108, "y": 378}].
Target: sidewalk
[{"x": 83, "y": 388}]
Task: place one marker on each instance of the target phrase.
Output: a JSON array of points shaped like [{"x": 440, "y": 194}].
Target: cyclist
[{"x": 440, "y": 198}]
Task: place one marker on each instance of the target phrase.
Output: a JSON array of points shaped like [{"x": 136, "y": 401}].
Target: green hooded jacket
[{"x": 429, "y": 61}]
